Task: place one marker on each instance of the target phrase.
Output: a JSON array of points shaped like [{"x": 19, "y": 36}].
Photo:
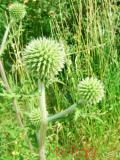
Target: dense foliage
[{"x": 90, "y": 32}]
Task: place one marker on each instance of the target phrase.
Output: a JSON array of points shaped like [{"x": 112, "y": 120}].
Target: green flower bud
[
  {"x": 44, "y": 58},
  {"x": 35, "y": 117},
  {"x": 91, "y": 90},
  {"x": 17, "y": 11}
]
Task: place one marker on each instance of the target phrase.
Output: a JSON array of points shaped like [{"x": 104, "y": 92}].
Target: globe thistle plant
[
  {"x": 44, "y": 58},
  {"x": 91, "y": 90},
  {"x": 17, "y": 11}
]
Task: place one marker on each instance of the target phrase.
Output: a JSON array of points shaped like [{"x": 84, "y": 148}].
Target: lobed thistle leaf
[
  {"x": 44, "y": 58},
  {"x": 17, "y": 11},
  {"x": 91, "y": 90}
]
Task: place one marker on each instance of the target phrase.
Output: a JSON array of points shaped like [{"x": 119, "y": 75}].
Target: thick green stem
[
  {"x": 64, "y": 113},
  {"x": 43, "y": 125}
]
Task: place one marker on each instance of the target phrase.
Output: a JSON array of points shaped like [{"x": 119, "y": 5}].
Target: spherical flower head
[
  {"x": 17, "y": 11},
  {"x": 44, "y": 58},
  {"x": 35, "y": 117},
  {"x": 91, "y": 90}
]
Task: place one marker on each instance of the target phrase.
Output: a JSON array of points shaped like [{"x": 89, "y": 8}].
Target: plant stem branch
[{"x": 64, "y": 113}]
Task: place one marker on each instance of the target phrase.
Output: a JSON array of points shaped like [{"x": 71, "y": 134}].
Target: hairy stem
[{"x": 43, "y": 125}]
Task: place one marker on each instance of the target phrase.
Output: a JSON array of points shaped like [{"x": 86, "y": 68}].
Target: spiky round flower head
[
  {"x": 17, "y": 11},
  {"x": 44, "y": 58},
  {"x": 91, "y": 90},
  {"x": 35, "y": 117}
]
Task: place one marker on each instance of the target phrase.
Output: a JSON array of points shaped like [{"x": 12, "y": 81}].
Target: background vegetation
[{"x": 90, "y": 31}]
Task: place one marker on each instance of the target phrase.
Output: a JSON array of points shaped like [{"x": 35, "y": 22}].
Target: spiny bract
[
  {"x": 91, "y": 90},
  {"x": 44, "y": 58},
  {"x": 17, "y": 11}
]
